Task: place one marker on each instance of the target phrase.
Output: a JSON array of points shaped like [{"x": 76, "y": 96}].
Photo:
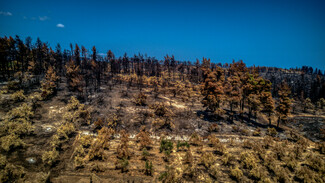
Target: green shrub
[
  {"x": 73, "y": 103},
  {"x": 166, "y": 146},
  {"x": 236, "y": 173},
  {"x": 141, "y": 99},
  {"x": 65, "y": 130},
  {"x": 170, "y": 175},
  {"x": 228, "y": 159},
  {"x": 297, "y": 150},
  {"x": 282, "y": 175},
  {"x": 291, "y": 161},
  {"x": 279, "y": 150},
  {"x": 248, "y": 144},
  {"x": 257, "y": 132},
  {"x": 258, "y": 173},
  {"x": 18, "y": 96},
  {"x": 145, "y": 153},
  {"x": 214, "y": 170},
  {"x": 148, "y": 168},
  {"x": 208, "y": 159},
  {"x": 182, "y": 144},
  {"x": 50, "y": 157},
  {"x": 23, "y": 111},
  {"x": 86, "y": 140},
  {"x": 11, "y": 173},
  {"x": 272, "y": 132},
  {"x": 248, "y": 160},
  {"x": 96, "y": 151},
  {"x": 303, "y": 143},
  {"x": 188, "y": 159},
  {"x": 123, "y": 150},
  {"x": 213, "y": 140},
  {"x": 267, "y": 142},
  {"x": 122, "y": 164},
  {"x": 79, "y": 159},
  {"x": 18, "y": 126},
  {"x": 11, "y": 141},
  {"x": 304, "y": 174},
  {"x": 316, "y": 162},
  {"x": 79, "y": 162}
]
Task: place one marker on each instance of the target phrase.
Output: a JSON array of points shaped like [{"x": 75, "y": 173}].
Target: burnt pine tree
[
  {"x": 212, "y": 89},
  {"x": 77, "y": 55},
  {"x": 267, "y": 104},
  {"x": 232, "y": 91},
  {"x": 74, "y": 78},
  {"x": 284, "y": 106}
]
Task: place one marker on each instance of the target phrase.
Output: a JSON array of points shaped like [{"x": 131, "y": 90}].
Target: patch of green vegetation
[
  {"x": 148, "y": 168},
  {"x": 236, "y": 173},
  {"x": 50, "y": 157},
  {"x": 18, "y": 96},
  {"x": 182, "y": 144}
]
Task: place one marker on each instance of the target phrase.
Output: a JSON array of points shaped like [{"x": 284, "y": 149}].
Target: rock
[{"x": 31, "y": 160}]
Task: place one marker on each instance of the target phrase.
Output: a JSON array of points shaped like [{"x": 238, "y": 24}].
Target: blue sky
[{"x": 278, "y": 33}]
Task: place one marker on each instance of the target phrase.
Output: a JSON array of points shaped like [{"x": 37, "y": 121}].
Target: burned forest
[{"x": 75, "y": 115}]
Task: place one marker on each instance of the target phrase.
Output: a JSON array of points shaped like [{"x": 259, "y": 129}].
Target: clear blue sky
[{"x": 278, "y": 33}]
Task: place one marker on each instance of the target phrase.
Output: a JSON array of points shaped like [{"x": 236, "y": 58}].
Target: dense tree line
[{"x": 234, "y": 84}]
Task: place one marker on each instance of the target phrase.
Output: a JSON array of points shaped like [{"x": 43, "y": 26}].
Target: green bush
[
  {"x": 65, "y": 130},
  {"x": 257, "y": 132},
  {"x": 18, "y": 126},
  {"x": 86, "y": 140},
  {"x": 248, "y": 160},
  {"x": 272, "y": 132},
  {"x": 145, "y": 153},
  {"x": 166, "y": 146},
  {"x": 258, "y": 173},
  {"x": 304, "y": 174},
  {"x": 282, "y": 175},
  {"x": 291, "y": 161},
  {"x": 11, "y": 173},
  {"x": 18, "y": 96},
  {"x": 208, "y": 159},
  {"x": 267, "y": 142},
  {"x": 11, "y": 141},
  {"x": 220, "y": 148},
  {"x": 123, "y": 164},
  {"x": 182, "y": 144},
  {"x": 214, "y": 170},
  {"x": 248, "y": 144},
  {"x": 23, "y": 111},
  {"x": 279, "y": 150},
  {"x": 50, "y": 157},
  {"x": 228, "y": 159},
  {"x": 141, "y": 99},
  {"x": 148, "y": 168},
  {"x": 236, "y": 173},
  {"x": 316, "y": 162},
  {"x": 96, "y": 151}
]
